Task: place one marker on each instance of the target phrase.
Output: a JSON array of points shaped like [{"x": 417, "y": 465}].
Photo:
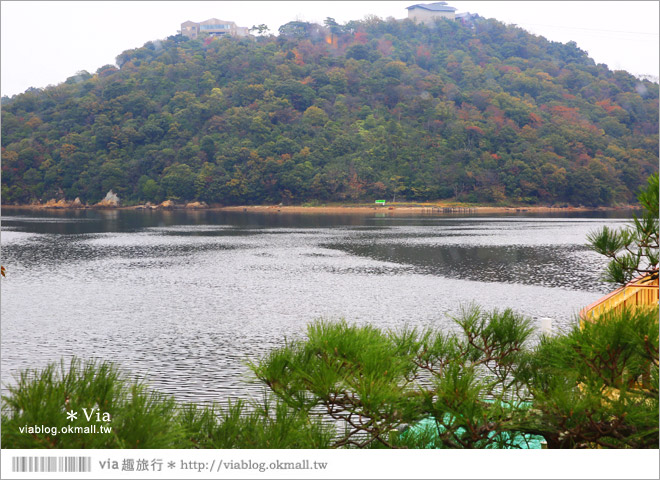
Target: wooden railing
[{"x": 642, "y": 291}]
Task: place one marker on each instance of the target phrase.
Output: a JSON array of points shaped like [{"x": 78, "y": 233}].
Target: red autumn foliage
[
  {"x": 385, "y": 47},
  {"x": 423, "y": 52},
  {"x": 475, "y": 129},
  {"x": 299, "y": 57},
  {"x": 608, "y": 107},
  {"x": 361, "y": 37},
  {"x": 537, "y": 120}
]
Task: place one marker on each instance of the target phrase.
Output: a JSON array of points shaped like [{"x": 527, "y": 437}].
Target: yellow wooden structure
[{"x": 640, "y": 292}]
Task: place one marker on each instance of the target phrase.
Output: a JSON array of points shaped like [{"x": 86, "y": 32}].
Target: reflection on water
[
  {"x": 546, "y": 265},
  {"x": 185, "y": 298}
]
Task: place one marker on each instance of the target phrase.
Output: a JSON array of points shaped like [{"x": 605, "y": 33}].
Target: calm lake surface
[{"x": 183, "y": 299}]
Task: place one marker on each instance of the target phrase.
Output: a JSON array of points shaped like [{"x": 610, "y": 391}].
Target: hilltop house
[
  {"x": 427, "y": 13},
  {"x": 213, "y": 27}
]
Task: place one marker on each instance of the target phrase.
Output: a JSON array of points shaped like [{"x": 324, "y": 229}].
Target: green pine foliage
[
  {"x": 477, "y": 112},
  {"x": 633, "y": 250},
  {"x": 139, "y": 417},
  {"x": 485, "y": 387},
  {"x": 379, "y": 384},
  {"x": 597, "y": 385}
]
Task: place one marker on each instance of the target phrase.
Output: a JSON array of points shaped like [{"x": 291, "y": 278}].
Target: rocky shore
[{"x": 110, "y": 201}]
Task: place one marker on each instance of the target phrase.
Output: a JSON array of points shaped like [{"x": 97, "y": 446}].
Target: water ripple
[{"x": 184, "y": 301}]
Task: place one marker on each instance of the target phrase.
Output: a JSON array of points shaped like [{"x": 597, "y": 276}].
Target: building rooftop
[{"x": 434, "y": 7}]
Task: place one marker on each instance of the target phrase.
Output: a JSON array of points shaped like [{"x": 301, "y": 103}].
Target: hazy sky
[{"x": 43, "y": 43}]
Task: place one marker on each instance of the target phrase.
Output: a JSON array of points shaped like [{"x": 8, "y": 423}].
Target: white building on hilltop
[
  {"x": 213, "y": 27},
  {"x": 427, "y": 13}
]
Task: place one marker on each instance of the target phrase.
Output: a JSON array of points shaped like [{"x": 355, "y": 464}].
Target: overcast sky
[{"x": 43, "y": 43}]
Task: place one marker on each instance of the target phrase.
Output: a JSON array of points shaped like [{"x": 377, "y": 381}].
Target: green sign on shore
[{"x": 380, "y": 202}]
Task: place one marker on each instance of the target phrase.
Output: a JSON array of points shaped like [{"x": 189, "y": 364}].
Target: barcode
[{"x": 51, "y": 464}]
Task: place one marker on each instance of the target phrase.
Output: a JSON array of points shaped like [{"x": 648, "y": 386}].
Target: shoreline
[
  {"x": 410, "y": 209},
  {"x": 360, "y": 209}
]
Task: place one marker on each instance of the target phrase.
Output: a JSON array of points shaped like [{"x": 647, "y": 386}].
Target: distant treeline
[{"x": 475, "y": 111}]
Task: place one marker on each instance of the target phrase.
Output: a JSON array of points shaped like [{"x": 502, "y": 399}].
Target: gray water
[{"x": 184, "y": 299}]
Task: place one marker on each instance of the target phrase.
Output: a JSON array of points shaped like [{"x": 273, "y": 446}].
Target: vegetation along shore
[{"x": 344, "y": 209}]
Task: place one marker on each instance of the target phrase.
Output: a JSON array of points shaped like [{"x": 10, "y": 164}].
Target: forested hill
[{"x": 478, "y": 112}]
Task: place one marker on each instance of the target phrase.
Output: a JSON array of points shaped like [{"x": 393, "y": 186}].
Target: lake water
[{"x": 183, "y": 299}]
